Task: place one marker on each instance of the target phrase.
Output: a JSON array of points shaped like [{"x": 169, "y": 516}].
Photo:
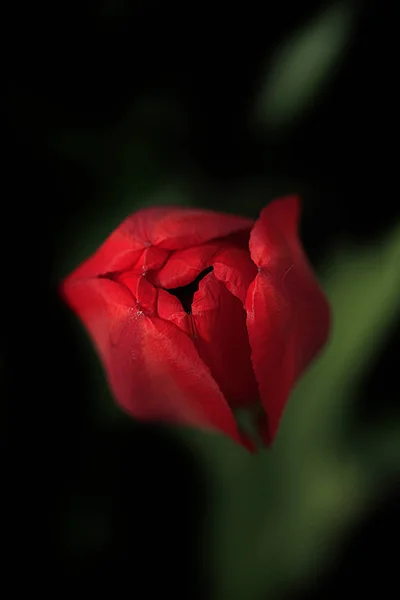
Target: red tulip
[{"x": 195, "y": 313}]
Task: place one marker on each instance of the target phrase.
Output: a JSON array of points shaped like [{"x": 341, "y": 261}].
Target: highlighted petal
[
  {"x": 166, "y": 229},
  {"x": 152, "y": 366}
]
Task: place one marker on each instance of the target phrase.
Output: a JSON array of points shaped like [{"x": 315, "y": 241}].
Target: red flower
[{"x": 195, "y": 313}]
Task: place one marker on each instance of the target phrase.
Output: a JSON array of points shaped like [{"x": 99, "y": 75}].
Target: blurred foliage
[
  {"x": 292, "y": 504},
  {"x": 302, "y": 65}
]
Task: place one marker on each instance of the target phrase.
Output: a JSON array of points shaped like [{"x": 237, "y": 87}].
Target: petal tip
[{"x": 283, "y": 210}]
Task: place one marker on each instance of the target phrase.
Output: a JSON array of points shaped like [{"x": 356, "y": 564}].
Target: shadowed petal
[
  {"x": 219, "y": 325},
  {"x": 288, "y": 315},
  {"x": 231, "y": 264}
]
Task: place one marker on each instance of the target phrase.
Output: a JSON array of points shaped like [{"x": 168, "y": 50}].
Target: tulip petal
[
  {"x": 102, "y": 305},
  {"x": 159, "y": 230},
  {"x": 220, "y": 336},
  {"x": 235, "y": 268},
  {"x": 288, "y": 314},
  {"x": 152, "y": 366},
  {"x": 231, "y": 264},
  {"x": 173, "y": 228}
]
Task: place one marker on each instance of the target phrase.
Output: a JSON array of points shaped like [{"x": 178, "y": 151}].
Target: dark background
[{"x": 113, "y": 105}]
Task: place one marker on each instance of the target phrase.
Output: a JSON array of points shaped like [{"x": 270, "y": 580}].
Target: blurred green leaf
[
  {"x": 276, "y": 517},
  {"x": 363, "y": 286},
  {"x": 302, "y": 66}
]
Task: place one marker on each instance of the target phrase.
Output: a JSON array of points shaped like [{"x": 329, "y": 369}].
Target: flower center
[{"x": 186, "y": 293}]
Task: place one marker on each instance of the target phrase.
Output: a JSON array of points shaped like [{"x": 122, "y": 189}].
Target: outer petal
[
  {"x": 288, "y": 315},
  {"x": 219, "y": 324},
  {"x": 102, "y": 306},
  {"x": 152, "y": 367},
  {"x": 159, "y": 230}
]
